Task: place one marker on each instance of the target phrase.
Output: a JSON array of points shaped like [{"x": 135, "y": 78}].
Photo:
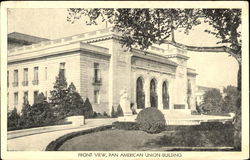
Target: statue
[{"x": 125, "y": 102}]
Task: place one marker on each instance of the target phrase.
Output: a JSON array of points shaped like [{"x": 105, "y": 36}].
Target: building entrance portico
[{"x": 152, "y": 92}]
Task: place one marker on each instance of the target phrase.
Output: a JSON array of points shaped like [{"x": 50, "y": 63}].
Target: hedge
[
  {"x": 55, "y": 145},
  {"x": 126, "y": 125}
]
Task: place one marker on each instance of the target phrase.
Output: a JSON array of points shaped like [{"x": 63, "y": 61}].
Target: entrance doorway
[
  {"x": 165, "y": 95},
  {"x": 153, "y": 94},
  {"x": 140, "y": 95}
]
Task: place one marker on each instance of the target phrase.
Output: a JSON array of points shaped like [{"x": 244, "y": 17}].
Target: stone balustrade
[
  {"x": 80, "y": 37},
  {"x": 59, "y": 41}
]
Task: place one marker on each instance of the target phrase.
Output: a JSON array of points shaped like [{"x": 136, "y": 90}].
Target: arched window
[
  {"x": 165, "y": 95},
  {"x": 153, "y": 94},
  {"x": 140, "y": 96}
]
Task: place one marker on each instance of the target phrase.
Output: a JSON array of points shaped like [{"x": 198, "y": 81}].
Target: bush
[
  {"x": 119, "y": 111},
  {"x": 151, "y": 120},
  {"x": 105, "y": 114},
  {"x": 87, "y": 109},
  {"x": 13, "y": 119},
  {"x": 39, "y": 114},
  {"x": 125, "y": 125},
  {"x": 194, "y": 112},
  {"x": 113, "y": 113}
]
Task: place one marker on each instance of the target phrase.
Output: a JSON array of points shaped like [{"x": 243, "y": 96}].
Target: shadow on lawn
[{"x": 194, "y": 136}]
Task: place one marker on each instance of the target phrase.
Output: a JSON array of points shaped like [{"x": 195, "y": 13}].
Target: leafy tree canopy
[{"x": 144, "y": 27}]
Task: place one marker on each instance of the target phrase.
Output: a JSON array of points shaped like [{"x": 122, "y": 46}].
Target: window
[
  {"x": 15, "y": 98},
  {"x": 25, "y": 77},
  {"x": 15, "y": 83},
  {"x": 35, "y": 81},
  {"x": 96, "y": 97},
  {"x": 25, "y": 96},
  {"x": 35, "y": 96},
  {"x": 8, "y": 78},
  {"x": 62, "y": 67},
  {"x": 165, "y": 95},
  {"x": 97, "y": 73}
]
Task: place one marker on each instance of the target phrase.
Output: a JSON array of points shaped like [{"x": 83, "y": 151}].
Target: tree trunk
[{"x": 239, "y": 78}]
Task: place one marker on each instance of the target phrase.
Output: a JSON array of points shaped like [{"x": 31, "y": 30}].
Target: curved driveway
[{"x": 38, "y": 142}]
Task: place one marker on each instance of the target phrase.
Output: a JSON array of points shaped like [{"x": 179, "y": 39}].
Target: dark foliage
[
  {"x": 74, "y": 104},
  {"x": 194, "y": 112},
  {"x": 87, "y": 109},
  {"x": 13, "y": 119},
  {"x": 151, "y": 120},
  {"x": 212, "y": 102},
  {"x": 39, "y": 114},
  {"x": 126, "y": 125},
  {"x": 230, "y": 99},
  {"x": 119, "y": 111},
  {"x": 55, "y": 145},
  {"x": 211, "y": 134},
  {"x": 113, "y": 113}
]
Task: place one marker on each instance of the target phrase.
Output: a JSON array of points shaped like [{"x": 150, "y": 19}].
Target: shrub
[
  {"x": 13, "y": 119},
  {"x": 126, "y": 125},
  {"x": 194, "y": 112},
  {"x": 212, "y": 102},
  {"x": 74, "y": 102},
  {"x": 151, "y": 120},
  {"x": 119, "y": 111},
  {"x": 113, "y": 113},
  {"x": 87, "y": 109},
  {"x": 39, "y": 114},
  {"x": 105, "y": 114}
]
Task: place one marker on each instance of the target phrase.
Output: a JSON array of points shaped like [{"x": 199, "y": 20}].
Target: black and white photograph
[{"x": 124, "y": 80}]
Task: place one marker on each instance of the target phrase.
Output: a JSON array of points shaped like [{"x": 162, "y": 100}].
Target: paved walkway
[{"x": 38, "y": 142}]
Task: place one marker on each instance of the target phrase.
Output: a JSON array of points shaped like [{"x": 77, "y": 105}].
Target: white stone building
[{"x": 100, "y": 68}]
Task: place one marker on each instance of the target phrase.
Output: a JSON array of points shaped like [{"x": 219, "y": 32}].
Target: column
[
  {"x": 147, "y": 92},
  {"x": 134, "y": 81},
  {"x": 171, "y": 94},
  {"x": 159, "y": 93}
]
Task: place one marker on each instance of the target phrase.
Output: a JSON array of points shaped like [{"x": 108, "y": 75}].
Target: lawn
[{"x": 136, "y": 140}]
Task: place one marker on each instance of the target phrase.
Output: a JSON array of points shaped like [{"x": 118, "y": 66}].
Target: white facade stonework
[{"x": 101, "y": 68}]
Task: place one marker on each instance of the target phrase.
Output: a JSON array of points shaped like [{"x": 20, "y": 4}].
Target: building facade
[{"x": 100, "y": 68}]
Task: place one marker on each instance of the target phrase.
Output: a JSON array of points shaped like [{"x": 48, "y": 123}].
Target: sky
[{"x": 214, "y": 69}]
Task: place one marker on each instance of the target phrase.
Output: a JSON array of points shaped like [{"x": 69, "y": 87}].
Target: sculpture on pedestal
[{"x": 125, "y": 102}]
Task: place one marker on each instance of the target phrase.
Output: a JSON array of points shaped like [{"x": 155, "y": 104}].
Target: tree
[
  {"x": 74, "y": 102},
  {"x": 230, "y": 99},
  {"x": 113, "y": 112},
  {"x": 39, "y": 114},
  {"x": 119, "y": 111},
  {"x": 58, "y": 94},
  {"x": 144, "y": 27},
  {"x": 87, "y": 109},
  {"x": 13, "y": 119},
  {"x": 212, "y": 101}
]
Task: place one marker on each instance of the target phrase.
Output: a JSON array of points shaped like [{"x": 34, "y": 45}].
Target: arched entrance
[
  {"x": 153, "y": 94},
  {"x": 140, "y": 95},
  {"x": 165, "y": 95}
]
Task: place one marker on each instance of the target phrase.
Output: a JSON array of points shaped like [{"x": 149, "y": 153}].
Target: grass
[{"x": 136, "y": 140}]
